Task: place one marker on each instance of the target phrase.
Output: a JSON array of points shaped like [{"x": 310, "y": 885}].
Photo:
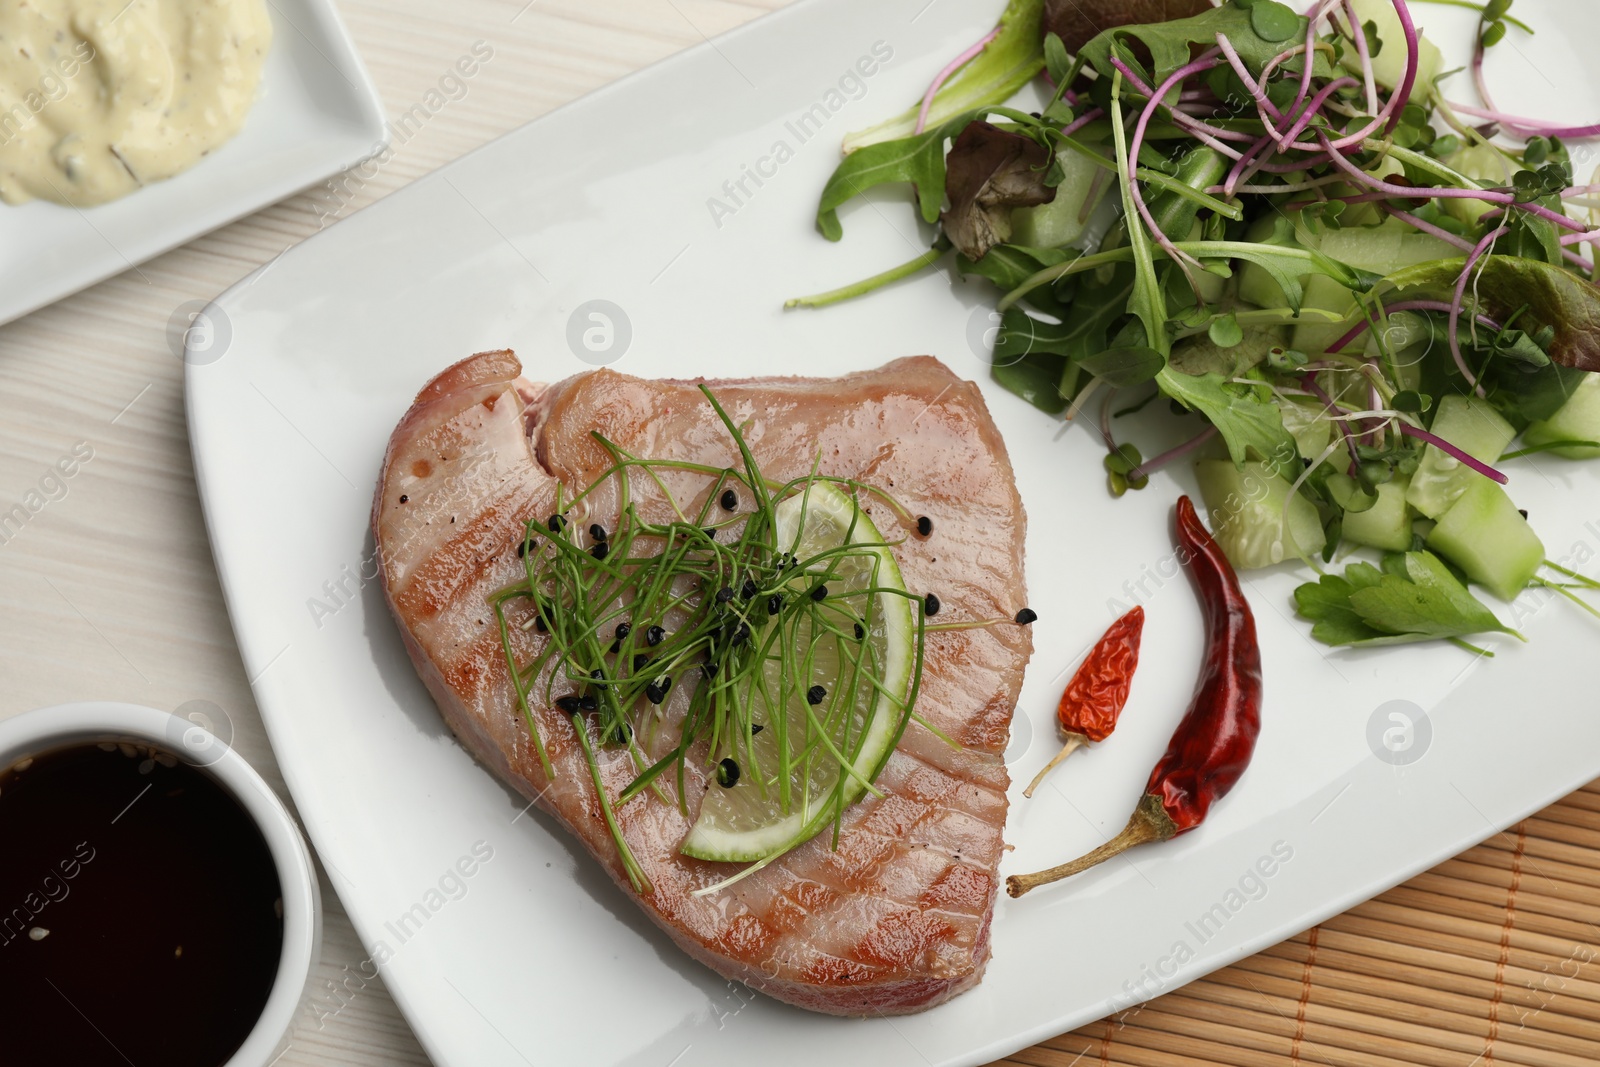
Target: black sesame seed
[
  {"x": 749, "y": 589},
  {"x": 1026, "y": 615},
  {"x": 654, "y": 635},
  {"x": 724, "y": 594},
  {"x": 730, "y": 500},
  {"x": 568, "y": 703},
  {"x": 741, "y": 634},
  {"x": 774, "y": 604},
  {"x": 600, "y": 551},
  {"x": 639, "y": 661},
  {"x": 657, "y": 690},
  {"x": 860, "y": 631},
  {"x": 538, "y": 624},
  {"x": 924, "y": 526},
  {"x": 623, "y": 630},
  {"x": 819, "y": 593},
  {"x": 1523, "y": 512},
  {"x": 711, "y": 532},
  {"x": 555, "y": 522},
  {"x": 598, "y": 676},
  {"x": 597, "y": 532},
  {"x": 756, "y": 728},
  {"x": 727, "y": 774},
  {"x": 522, "y": 549},
  {"x": 404, "y": 498},
  {"x": 816, "y": 695},
  {"x": 616, "y": 646},
  {"x": 621, "y": 733},
  {"x": 588, "y": 703},
  {"x": 930, "y": 604}
]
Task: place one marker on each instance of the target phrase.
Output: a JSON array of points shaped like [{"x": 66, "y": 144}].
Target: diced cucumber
[
  {"x": 1382, "y": 249},
  {"x": 1385, "y": 248},
  {"x": 1408, "y": 339},
  {"x": 1309, "y": 424},
  {"x": 1480, "y": 161},
  {"x": 1389, "y": 65},
  {"x": 1578, "y": 420},
  {"x": 1324, "y": 294},
  {"x": 1473, "y": 426},
  {"x": 1387, "y": 524},
  {"x": 1248, "y": 518},
  {"x": 1062, "y": 221},
  {"x": 1485, "y": 535}
]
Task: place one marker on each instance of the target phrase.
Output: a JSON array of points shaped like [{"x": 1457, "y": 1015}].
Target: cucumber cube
[
  {"x": 1387, "y": 524},
  {"x": 1062, "y": 221},
  {"x": 1253, "y": 517},
  {"x": 1389, "y": 65},
  {"x": 1485, "y": 535},
  {"x": 1476, "y": 428},
  {"x": 1578, "y": 420}
]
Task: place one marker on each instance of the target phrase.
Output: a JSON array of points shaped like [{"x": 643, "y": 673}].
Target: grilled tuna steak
[{"x": 896, "y": 918}]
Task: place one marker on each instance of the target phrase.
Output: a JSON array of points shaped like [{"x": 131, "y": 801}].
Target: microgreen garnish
[{"x": 682, "y": 646}]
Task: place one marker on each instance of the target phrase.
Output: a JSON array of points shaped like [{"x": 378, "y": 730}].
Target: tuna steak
[{"x": 896, "y": 918}]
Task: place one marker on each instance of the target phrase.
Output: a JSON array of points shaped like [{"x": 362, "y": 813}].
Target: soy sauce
[{"x": 140, "y": 911}]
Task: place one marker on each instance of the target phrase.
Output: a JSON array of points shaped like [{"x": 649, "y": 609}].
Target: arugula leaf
[
  {"x": 1554, "y": 297},
  {"x": 1149, "y": 304},
  {"x": 1414, "y": 598},
  {"x": 918, "y": 160},
  {"x": 1057, "y": 63},
  {"x": 1124, "y": 366},
  {"x": 1008, "y": 266},
  {"x": 1085, "y": 322},
  {"x": 1036, "y": 379},
  {"x": 1169, "y": 43},
  {"x": 1251, "y": 426},
  {"x": 994, "y": 76}
]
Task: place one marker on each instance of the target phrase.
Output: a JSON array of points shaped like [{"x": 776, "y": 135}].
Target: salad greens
[{"x": 1279, "y": 223}]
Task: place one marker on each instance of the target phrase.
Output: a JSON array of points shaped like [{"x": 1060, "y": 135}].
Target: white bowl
[{"x": 36, "y": 732}]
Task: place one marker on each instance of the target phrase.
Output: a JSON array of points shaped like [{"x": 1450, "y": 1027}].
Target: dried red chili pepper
[
  {"x": 1094, "y": 698},
  {"x": 1213, "y": 744}
]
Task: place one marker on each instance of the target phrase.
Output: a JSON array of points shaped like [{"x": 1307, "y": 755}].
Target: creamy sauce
[{"x": 101, "y": 97}]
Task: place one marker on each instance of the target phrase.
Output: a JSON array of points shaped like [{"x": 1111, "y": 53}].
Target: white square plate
[
  {"x": 317, "y": 114},
  {"x": 537, "y": 957}
]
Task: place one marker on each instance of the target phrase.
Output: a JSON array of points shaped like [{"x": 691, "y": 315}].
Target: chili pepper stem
[
  {"x": 1149, "y": 822},
  {"x": 1074, "y": 742}
]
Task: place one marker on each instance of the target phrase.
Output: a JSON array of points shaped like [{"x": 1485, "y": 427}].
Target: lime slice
[{"x": 778, "y": 802}]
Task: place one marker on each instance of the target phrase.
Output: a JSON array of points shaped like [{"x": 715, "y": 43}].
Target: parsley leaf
[{"x": 1413, "y": 598}]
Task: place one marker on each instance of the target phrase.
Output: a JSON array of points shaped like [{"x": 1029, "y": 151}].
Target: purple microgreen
[{"x": 1455, "y": 452}]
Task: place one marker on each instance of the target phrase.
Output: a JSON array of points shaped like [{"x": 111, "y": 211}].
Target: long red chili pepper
[
  {"x": 1213, "y": 744},
  {"x": 1094, "y": 698}
]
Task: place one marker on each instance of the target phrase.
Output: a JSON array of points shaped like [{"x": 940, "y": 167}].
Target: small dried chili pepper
[
  {"x": 1213, "y": 744},
  {"x": 1094, "y": 698}
]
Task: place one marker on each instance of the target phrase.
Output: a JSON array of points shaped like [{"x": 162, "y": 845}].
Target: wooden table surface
[{"x": 110, "y": 591}]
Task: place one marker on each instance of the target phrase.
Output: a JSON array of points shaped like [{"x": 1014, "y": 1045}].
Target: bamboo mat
[{"x": 1490, "y": 958}]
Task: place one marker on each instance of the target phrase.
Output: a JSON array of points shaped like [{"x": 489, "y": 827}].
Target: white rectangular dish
[
  {"x": 318, "y": 114},
  {"x": 640, "y": 196}
]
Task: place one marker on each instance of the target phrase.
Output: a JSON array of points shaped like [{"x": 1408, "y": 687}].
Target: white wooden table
[{"x": 108, "y": 591}]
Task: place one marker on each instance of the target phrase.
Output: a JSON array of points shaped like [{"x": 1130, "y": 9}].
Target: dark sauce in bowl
[{"x": 140, "y": 911}]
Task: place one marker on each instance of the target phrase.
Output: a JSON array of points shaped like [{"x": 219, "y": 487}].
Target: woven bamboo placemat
[{"x": 1491, "y": 957}]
